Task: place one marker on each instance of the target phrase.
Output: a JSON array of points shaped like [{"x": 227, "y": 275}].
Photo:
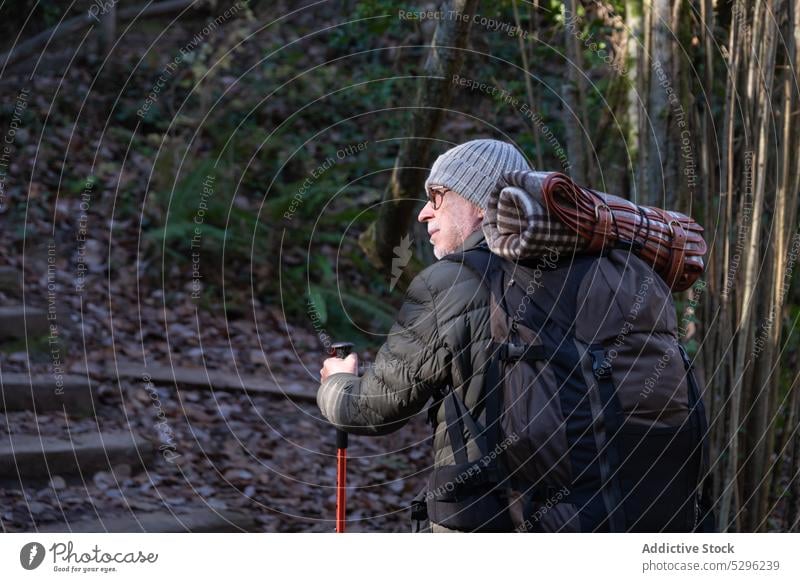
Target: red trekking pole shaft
[{"x": 342, "y": 350}]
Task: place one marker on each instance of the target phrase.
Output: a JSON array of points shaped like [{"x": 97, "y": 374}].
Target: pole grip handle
[
  {"x": 341, "y": 350},
  {"x": 341, "y": 439}
]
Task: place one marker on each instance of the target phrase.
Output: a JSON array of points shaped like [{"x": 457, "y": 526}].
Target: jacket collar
[{"x": 473, "y": 240}]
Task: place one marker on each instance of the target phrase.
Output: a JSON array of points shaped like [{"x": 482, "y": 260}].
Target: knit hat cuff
[{"x": 473, "y": 168}]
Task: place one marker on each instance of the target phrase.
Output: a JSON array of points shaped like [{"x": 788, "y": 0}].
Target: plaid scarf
[
  {"x": 518, "y": 226},
  {"x": 532, "y": 213}
]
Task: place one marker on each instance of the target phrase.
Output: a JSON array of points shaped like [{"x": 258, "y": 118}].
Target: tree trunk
[
  {"x": 533, "y": 12},
  {"x": 784, "y": 449},
  {"x": 793, "y": 488},
  {"x": 534, "y": 102},
  {"x": 643, "y": 87},
  {"x": 752, "y": 253},
  {"x": 708, "y": 148},
  {"x": 634, "y": 115},
  {"x": 413, "y": 160},
  {"x": 663, "y": 179},
  {"x": 719, "y": 358},
  {"x": 574, "y": 102},
  {"x": 108, "y": 31},
  {"x": 783, "y": 227}
]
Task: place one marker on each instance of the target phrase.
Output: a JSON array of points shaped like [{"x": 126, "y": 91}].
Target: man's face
[{"x": 451, "y": 223}]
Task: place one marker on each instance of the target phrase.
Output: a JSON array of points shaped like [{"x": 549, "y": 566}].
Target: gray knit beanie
[{"x": 473, "y": 168}]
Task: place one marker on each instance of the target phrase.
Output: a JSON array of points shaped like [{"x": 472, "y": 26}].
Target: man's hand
[{"x": 337, "y": 365}]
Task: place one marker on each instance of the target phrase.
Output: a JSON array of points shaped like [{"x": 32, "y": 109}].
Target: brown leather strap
[
  {"x": 677, "y": 253},
  {"x": 602, "y": 234},
  {"x": 670, "y": 242}
]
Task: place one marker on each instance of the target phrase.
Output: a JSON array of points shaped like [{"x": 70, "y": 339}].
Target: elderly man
[
  {"x": 442, "y": 329},
  {"x": 550, "y": 358}
]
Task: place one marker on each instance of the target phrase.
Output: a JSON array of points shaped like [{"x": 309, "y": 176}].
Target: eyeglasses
[{"x": 435, "y": 196}]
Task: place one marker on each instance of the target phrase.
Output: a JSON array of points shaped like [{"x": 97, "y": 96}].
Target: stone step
[
  {"x": 201, "y": 520},
  {"x": 16, "y": 320},
  {"x": 199, "y": 378},
  {"x": 28, "y": 458},
  {"x": 72, "y": 393}
]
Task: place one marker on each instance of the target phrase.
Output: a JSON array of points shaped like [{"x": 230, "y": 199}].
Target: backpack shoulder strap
[
  {"x": 488, "y": 267},
  {"x": 481, "y": 261},
  {"x": 556, "y": 284}
]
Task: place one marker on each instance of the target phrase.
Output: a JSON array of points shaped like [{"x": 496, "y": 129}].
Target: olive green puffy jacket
[{"x": 438, "y": 340}]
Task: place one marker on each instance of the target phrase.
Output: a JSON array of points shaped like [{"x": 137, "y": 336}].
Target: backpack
[{"x": 592, "y": 417}]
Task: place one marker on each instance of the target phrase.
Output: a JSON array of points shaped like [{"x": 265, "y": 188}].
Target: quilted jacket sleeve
[{"x": 410, "y": 365}]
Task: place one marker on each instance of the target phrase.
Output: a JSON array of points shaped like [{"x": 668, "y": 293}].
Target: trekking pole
[{"x": 341, "y": 350}]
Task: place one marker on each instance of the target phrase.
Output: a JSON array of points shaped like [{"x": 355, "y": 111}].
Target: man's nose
[{"x": 426, "y": 213}]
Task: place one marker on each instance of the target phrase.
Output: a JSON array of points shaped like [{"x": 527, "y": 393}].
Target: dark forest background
[{"x": 218, "y": 185}]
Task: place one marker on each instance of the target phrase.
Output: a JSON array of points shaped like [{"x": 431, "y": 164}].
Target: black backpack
[{"x": 592, "y": 418}]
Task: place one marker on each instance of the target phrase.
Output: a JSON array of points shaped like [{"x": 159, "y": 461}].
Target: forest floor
[{"x": 268, "y": 456}]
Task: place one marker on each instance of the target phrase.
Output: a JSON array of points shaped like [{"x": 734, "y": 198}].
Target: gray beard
[{"x": 444, "y": 252}]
